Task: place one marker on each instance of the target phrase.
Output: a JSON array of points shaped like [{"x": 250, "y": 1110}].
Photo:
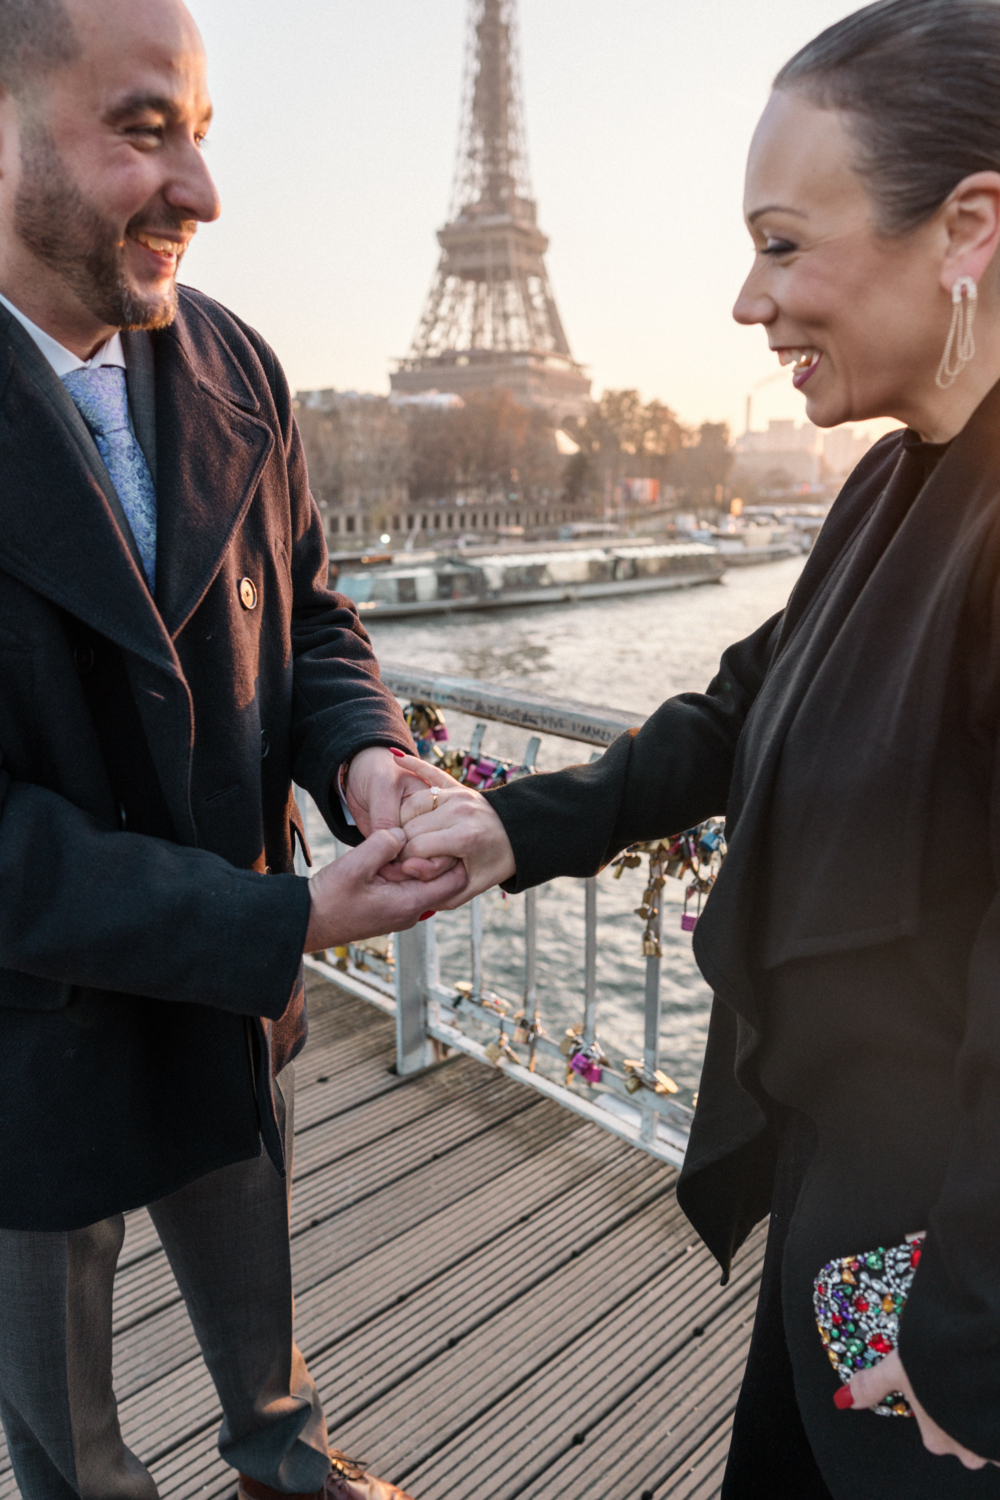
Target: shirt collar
[{"x": 62, "y": 359}]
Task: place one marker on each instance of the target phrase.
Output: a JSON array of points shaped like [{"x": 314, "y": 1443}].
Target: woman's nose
[{"x": 754, "y": 307}]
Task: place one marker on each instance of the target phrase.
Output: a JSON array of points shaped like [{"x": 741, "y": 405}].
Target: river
[{"x": 629, "y": 653}]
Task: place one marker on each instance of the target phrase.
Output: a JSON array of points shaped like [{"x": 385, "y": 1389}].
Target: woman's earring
[{"x": 961, "y": 346}]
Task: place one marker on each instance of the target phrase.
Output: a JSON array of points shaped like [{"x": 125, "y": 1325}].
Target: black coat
[
  {"x": 151, "y": 930},
  {"x": 852, "y": 743}
]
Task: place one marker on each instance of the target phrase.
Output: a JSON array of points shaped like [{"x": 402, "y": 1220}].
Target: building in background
[
  {"x": 428, "y": 470},
  {"x": 789, "y": 457},
  {"x": 843, "y": 450},
  {"x": 491, "y": 321}
]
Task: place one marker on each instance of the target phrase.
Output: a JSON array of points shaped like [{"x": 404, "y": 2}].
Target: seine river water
[{"x": 628, "y": 653}]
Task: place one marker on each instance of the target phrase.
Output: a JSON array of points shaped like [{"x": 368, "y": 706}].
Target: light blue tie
[{"x": 101, "y": 398}]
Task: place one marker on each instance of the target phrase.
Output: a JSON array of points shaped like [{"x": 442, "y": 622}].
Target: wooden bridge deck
[{"x": 496, "y": 1298}]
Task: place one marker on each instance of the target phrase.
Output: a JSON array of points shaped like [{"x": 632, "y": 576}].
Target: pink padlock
[
  {"x": 688, "y": 922},
  {"x": 586, "y": 1067}
]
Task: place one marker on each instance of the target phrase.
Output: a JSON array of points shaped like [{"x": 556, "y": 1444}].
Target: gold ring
[{"x": 434, "y": 799}]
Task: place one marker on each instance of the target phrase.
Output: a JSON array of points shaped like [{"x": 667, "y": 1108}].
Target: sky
[{"x": 333, "y": 148}]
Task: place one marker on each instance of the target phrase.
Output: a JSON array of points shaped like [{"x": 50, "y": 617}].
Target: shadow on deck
[{"x": 496, "y": 1298}]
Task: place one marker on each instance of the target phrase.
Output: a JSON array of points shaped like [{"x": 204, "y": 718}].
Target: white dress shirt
[{"x": 61, "y": 359}]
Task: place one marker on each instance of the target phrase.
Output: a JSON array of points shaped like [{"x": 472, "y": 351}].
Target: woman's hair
[{"x": 921, "y": 81}]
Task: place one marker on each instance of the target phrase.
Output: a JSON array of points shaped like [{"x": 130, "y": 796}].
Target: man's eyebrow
[
  {"x": 775, "y": 208},
  {"x": 153, "y": 104}
]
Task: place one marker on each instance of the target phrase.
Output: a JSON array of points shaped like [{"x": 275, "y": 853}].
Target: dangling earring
[{"x": 961, "y": 346}]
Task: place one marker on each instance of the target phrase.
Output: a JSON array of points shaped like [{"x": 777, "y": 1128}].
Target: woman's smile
[{"x": 805, "y": 359}]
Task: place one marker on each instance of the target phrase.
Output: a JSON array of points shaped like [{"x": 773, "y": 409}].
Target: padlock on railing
[
  {"x": 638, "y": 1076},
  {"x": 426, "y": 724}
]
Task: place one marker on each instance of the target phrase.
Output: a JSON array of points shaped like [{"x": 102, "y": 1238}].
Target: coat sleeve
[
  {"x": 667, "y": 776},
  {"x": 85, "y": 905},
  {"x": 949, "y": 1336},
  {"x": 340, "y": 704}
]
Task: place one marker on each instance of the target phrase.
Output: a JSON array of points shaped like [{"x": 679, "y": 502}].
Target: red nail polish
[
  {"x": 427, "y": 914},
  {"x": 843, "y": 1399},
  {"x": 397, "y": 753}
]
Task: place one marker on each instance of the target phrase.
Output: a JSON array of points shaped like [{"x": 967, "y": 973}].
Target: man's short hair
[{"x": 36, "y": 37}]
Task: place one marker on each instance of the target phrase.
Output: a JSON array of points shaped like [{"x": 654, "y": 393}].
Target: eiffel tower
[{"x": 491, "y": 320}]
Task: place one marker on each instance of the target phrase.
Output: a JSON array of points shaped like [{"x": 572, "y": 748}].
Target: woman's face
[{"x": 861, "y": 316}]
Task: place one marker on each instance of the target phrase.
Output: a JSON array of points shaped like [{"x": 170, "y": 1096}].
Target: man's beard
[{"x": 63, "y": 230}]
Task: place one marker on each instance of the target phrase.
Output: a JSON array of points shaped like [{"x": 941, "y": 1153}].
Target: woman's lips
[
  {"x": 805, "y": 373},
  {"x": 805, "y": 359}
]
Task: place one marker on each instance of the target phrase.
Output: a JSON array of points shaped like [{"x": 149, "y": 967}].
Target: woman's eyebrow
[{"x": 775, "y": 208}]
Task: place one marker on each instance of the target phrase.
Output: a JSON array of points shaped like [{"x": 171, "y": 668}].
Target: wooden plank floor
[{"x": 496, "y": 1298}]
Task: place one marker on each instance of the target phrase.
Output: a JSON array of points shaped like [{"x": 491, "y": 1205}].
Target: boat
[
  {"x": 742, "y": 545},
  {"x": 445, "y": 585}
]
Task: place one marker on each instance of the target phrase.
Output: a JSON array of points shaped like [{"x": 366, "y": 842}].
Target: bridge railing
[{"x": 633, "y": 1101}]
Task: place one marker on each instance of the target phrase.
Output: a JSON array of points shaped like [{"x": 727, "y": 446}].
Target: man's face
[{"x": 110, "y": 180}]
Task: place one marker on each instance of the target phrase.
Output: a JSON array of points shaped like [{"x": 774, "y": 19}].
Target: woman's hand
[
  {"x": 352, "y": 898},
  {"x": 444, "y": 820},
  {"x": 868, "y": 1387}
]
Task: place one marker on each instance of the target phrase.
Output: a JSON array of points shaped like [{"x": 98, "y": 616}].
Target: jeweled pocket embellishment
[{"x": 858, "y": 1302}]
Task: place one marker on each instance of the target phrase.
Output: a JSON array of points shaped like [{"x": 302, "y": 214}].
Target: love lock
[
  {"x": 501, "y": 1051},
  {"x": 638, "y": 1076},
  {"x": 587, "y": 1063}
]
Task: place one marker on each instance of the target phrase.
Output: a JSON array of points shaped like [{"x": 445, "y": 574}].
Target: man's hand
[
  {"x": 868, "y": 1387},
  {"x": 375, "y": 788},
  {"x": 351, "y": 899},
  {"x": 448, "y": 821}
]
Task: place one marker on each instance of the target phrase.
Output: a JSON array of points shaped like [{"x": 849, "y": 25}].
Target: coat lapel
[
  {"x": 140, "y": 380},
  {"x": 62, "y": 529},
  {"x": 212, "y": 448},
  {"x": 871, "y": 672}
]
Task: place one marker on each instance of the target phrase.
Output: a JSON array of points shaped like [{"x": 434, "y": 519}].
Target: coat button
[
  {"x": 83, "y": 658},
  {"x": 265, "y": 744},
  {"x": 248, "y": 594}
]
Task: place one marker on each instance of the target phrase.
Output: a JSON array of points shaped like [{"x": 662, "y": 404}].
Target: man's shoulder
[{"x": 215, "y": 339}]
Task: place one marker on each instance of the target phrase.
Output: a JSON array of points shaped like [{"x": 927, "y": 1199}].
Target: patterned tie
[{"x": 102, "y": 401}]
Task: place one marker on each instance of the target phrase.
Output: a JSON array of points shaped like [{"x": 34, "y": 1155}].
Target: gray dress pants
[{"x": 226, "y": 1237}]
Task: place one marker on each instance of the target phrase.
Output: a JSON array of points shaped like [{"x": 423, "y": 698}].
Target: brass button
[{"x": 248, "y": 594}]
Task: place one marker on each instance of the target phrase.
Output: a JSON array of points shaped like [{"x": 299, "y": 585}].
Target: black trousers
[{"x": 770, "y": 1457}]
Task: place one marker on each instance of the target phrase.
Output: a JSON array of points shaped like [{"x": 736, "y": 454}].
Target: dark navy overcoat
[{"x": 151, "y": 928}]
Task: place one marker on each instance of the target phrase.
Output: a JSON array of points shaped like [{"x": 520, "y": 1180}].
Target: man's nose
[{"x": 191, "y": 189}]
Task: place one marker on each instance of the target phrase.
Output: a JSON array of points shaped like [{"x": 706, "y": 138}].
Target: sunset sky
[{"x": 334, "y": 145}]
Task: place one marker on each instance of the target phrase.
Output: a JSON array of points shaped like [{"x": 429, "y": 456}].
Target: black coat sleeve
[
  {"x": 667, "y": 776},
  {"x": 86, "y": 905},
  {"x": 949, "y": 1336},
  {"x": 341, "y": 705}
]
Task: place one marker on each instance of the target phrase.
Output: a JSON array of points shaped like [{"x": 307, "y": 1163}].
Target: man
[{"x": 169, "y": 659}]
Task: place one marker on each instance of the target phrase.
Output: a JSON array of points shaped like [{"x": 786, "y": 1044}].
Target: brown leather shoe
[{"x": 345, "y": 1481}]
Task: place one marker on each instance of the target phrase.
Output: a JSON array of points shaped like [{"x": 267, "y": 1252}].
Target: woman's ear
[{"x": 970, "y": 219}]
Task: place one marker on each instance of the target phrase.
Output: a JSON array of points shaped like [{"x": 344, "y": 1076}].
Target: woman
[{"x": 851, "y": 1085}]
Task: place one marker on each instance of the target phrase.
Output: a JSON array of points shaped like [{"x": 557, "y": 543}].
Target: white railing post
[
  {"x": 476, "y": 923},
  {"x": 590, "y": 964},
  {"x": 653, "y": 1007},
  {"x": 531, "y": 955},
  {"x": 416, "y": 975}
]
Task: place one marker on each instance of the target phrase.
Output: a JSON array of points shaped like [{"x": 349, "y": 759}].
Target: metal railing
[{"x": 635, "y": 1102}]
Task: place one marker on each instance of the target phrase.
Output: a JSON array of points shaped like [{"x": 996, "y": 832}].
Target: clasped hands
[{"x": 430, "y": 845}]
